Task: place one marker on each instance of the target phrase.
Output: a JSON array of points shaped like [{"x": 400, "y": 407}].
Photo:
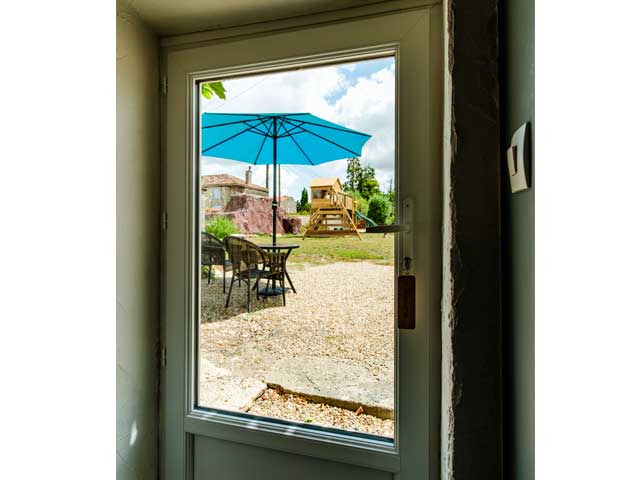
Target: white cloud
[
  {"x": 369, "y": 106},
  {"x": 365, "y": 104}
]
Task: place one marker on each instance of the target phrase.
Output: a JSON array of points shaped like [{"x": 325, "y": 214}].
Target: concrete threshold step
[
  {"x": 219, "y": 388},
  {"x": 336, "y": 382}
]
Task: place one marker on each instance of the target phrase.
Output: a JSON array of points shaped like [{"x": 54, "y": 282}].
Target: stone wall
[
  {"x": 253, "y": 214},
  {"x": 471, "y": 335},
  {"x": 218, "y": 196}
]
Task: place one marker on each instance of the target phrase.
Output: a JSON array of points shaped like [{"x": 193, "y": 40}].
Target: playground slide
[{"x": 367, "y": 220}]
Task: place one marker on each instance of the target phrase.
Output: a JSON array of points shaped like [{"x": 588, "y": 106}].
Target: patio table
[{"x": 279, "y": 247}]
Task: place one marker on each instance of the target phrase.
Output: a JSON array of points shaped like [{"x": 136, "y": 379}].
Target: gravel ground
[
  {"x": 342, "y": 310},
  {"x": 297, "y": 409}
]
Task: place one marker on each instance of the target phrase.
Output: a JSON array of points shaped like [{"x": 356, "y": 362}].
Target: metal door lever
[
  {"x": 394, "y": 228},
  {"x": 406, "y": 282},
  {"x": 406, "y": 244}
]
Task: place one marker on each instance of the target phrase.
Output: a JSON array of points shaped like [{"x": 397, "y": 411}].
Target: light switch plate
[{"x": 517, "y": 156}]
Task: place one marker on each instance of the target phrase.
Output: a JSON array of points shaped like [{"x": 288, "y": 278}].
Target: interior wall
[
  {"x": 137, "y": 247},
  {"x": 518, "y": 99}
]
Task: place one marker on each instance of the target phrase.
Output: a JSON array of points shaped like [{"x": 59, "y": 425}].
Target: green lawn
[{"x": 372, "y": 247}]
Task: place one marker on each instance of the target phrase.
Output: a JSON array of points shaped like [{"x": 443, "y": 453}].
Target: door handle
[
  {"x": 406, "y": 245},
  {"x": 406, "y": 281},
  {"x": 393, "y": 228}
]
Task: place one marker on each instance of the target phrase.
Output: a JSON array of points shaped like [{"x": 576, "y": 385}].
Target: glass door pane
[{"x": 301, "y": 331}]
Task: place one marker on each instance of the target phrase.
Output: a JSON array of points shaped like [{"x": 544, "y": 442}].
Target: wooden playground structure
[{"x": 333, "y": 212}]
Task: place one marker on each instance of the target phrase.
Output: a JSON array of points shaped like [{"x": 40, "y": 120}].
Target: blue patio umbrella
[{"x": 278, "y": 138}]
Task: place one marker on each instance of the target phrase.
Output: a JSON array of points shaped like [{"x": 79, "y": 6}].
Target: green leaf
[
  {"x": 219, "y": 90},
  {"x": 213, "y": 88},
  {"x": 206, "y": 91}
]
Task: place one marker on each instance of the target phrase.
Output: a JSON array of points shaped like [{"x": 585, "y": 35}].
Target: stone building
[
  {"x": 288, "y": 203},
  {"x": 216, "y": 190}
]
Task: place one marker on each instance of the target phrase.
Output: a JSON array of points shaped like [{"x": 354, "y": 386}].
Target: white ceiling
[{"x": 173, "y": 17}]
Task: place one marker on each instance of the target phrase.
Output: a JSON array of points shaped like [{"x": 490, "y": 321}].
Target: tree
[
  {"x": 303, "y": 204},
  {"x": 391, "y": 193},
  {"x": 210, "y": 89},
  {"x": 379, "y": 208},
  {"x": 354, "y": 172},
  {"x": 392, "y": 196},
  {"x": 369, "y": 187},
  {"x": 361, "y": 178}
]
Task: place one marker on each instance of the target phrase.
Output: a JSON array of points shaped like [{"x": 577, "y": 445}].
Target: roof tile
[{"x": 224, "y": 179}]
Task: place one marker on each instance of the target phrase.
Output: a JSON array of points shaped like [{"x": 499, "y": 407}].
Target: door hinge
[
  {"x": 164, "y": 84},
  {"x": 164, "y": 221},
  {"x": 163, "y": 356}
]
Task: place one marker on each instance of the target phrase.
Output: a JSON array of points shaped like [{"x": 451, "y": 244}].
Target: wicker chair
[
  {"x": 213, "y": 253},
  {"x": 249, "y": 261}
]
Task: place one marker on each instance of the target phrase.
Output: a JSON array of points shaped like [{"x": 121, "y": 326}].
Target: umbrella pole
[{"x": 274, "y": 204}]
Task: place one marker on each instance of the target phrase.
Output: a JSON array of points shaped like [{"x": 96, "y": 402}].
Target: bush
[
  {"x": 362, "y": 205},
  {"x": 391, "y": 219},
  {"x": 379, "y": 209},
  {"x": 204, "y": 272},
  {"x": 221, "y": 227},
  {"x": 303, "y": 210}
]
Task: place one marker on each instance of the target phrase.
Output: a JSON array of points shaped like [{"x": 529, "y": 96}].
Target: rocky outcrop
[
  {"x": 253, "y": 214},
  {"x": 292, "y": 224}
]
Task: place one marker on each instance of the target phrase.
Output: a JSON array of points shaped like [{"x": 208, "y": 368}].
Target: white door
[{"x": 203, "y": 443}]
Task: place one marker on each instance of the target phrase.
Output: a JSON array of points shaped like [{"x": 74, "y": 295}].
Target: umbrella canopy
[{"x": 278, "y": 138}]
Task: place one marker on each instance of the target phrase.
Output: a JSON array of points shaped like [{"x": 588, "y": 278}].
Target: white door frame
[{"x": 416, "y": 38}]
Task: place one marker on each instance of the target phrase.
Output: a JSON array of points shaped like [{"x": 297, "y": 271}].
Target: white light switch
[{"x": 516, "y": 156}]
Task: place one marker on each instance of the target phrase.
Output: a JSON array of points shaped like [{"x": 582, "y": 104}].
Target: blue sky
[
  {"x": 353, "y": 71},
  {"x": 359, "y": 95}
]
